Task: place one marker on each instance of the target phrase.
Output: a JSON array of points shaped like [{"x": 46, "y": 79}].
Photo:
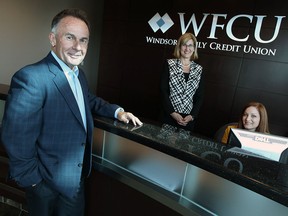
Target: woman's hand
[{"x": 180, "y": 120}]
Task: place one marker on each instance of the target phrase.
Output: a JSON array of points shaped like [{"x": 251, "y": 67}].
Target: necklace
[{"x": 186, "y": 65}]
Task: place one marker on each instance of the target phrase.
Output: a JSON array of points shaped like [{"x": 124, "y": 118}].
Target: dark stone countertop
[{"x": 265, "y": 177}]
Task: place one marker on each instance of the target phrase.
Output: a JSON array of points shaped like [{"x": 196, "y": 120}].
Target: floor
[{"x": 11, "y": 208}]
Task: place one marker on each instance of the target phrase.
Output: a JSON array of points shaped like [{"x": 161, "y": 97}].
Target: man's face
[{"x": 70, "y": 42}]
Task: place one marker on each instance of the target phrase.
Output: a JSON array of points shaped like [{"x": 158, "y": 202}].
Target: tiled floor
[{"x": 11, "y": 208}]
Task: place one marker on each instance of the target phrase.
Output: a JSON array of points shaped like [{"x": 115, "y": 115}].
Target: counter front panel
[{"x": 198, "y": 174}]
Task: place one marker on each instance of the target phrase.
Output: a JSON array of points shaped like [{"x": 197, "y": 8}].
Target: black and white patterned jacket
[{"x": 182, "y": 92}]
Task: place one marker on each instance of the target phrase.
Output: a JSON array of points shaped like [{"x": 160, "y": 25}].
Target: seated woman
[{"x": 253, "y": 118}]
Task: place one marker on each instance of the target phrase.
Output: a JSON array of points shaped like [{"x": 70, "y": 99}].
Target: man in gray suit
[{"x": 47, "y": 124}]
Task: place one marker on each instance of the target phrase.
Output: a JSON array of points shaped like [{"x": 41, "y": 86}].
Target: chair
[{"x": 220, "y": 132}]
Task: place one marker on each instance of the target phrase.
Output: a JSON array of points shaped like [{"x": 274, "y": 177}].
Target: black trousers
[{"x": 45, "y": 201}]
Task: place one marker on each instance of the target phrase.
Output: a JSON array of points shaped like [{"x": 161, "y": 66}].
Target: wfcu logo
[
  {"x": 163, "y": 23},
  {"x": 221, "y": 23}
]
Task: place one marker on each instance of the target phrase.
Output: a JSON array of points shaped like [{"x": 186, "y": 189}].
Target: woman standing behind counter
[{"x": 181, "y": 85}]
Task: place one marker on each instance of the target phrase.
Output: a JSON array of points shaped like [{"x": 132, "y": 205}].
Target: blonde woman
[{"x": 182, "y": 85}]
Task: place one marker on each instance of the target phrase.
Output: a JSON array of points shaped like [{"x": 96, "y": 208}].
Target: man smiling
[{"x": 47, "y": 124}]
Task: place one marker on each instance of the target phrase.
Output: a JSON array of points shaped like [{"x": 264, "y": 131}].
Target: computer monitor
[{"x": 269, "y": 146}]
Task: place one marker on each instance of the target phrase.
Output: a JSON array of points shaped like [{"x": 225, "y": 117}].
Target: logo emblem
[{"x": 157, "y": 22}]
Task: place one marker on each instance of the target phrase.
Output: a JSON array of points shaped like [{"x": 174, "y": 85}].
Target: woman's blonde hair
[{"x": 183, "y": 40}]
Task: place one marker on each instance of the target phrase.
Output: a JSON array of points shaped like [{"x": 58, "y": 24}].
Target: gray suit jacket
[{"x": 42, "y": 129}]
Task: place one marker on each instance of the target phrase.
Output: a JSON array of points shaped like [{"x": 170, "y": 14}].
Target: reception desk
[
  {"x": 190, "y": 174},
  {"x": 173, "y": 172}
]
